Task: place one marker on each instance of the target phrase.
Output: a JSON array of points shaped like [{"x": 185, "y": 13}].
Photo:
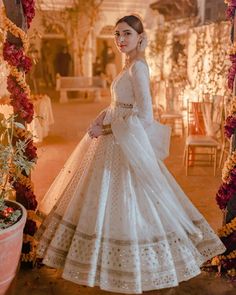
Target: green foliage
[{"x": 12, "y": 155}]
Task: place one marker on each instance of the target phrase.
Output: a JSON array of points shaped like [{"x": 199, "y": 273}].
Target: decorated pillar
[
  {"x": 226, "y": 195},
  {"x": 17, "y": 17}
]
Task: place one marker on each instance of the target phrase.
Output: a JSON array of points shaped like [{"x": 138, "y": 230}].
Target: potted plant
[{"x": 12, "y": 214}]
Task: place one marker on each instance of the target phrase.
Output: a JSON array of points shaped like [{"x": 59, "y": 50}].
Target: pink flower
[{"x": 232, "y": 2}]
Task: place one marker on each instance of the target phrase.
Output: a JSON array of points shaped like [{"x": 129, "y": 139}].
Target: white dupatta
[{"x": 143, "y": 149}]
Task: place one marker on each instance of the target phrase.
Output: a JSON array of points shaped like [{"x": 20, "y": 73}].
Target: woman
[{"x": 120, "y": 220}]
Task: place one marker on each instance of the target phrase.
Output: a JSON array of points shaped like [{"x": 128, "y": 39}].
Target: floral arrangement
[
  {"x": 8, "y": 216},
  {"x": 19, "y": 64},
  {"x": 208, "y": 42},
  {"x": 12, "y": 161},
  {"x": 227, "y": 190}
]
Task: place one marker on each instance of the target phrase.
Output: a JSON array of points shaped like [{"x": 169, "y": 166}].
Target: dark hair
[{"x": 133, "y": 21}]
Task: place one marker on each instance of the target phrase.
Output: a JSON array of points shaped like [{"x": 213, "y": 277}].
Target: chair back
[
  {"x": 195, "y": 120},
  {"x": 205, "y": 117}
]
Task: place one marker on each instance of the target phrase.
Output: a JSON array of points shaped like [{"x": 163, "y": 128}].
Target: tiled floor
[{"x": 71, "y": 121}]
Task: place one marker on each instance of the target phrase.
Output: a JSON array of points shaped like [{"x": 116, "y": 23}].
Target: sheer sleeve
[{"x": 141, "y": 86}]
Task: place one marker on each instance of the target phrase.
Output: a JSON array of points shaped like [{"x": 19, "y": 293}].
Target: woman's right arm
[{"x": 99, "y": 119}]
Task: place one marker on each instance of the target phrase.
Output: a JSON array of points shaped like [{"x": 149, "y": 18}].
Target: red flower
[
  {"x": 30, "y": 227},
  {"x": 11, "y": 84},
  {"x": 25, "y": 196},
  {"x": 19, "y": 100},
  {"x": 232, "y": 175},
  {"x": 26, "y": 63},
  {"x": 31, "y": 151},
  {"x": 26, "y": 247},
  {"x": 224, "y": 194},
  {"x": 232, "y": 71},
  {"x": 12, "y": 54},
  {"x": 229, "y": 242},
  {"x": 230, "y": 12},
  {"x": 228, "y": 263},
  {"x": 29, "y": 10}
]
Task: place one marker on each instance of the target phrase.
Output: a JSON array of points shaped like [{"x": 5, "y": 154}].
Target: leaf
[{"x": 17, "y": 124}]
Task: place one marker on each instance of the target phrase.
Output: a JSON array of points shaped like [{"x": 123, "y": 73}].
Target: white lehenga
[{"x": 118, "y": 219}]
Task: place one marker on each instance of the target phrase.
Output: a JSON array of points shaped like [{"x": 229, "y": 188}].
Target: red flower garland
[
  {"x": 14, "y": 55},
  {"x": 19, "y": 100}
]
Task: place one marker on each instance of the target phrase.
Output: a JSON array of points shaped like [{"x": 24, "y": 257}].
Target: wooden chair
[
  {"x": 172, "y": 113},
  {"x": 199, "y": 147}
]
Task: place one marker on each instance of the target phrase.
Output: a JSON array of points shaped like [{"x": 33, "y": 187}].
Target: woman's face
[{"x": 126, "y": 38}]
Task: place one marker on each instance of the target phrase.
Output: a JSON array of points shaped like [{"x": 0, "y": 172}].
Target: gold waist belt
[{"x": 121, "y": 105}]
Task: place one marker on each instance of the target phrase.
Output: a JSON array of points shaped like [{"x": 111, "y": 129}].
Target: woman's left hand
[{"x": 94, "y": 131}]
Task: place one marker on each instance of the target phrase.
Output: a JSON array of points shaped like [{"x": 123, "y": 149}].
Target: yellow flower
[
  {"x": 232, "y": 272},
  {"x": 20, "y": 78},
  {"x": 228, "y": 166},
  {"x": 232, "y": 48},
  {"x": 227, "y": 229},
  {"x": 215, "y": 261},
  {"x": 231, "y": 255}
]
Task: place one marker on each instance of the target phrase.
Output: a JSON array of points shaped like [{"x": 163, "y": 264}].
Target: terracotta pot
[{"x": 10, "y": 248}]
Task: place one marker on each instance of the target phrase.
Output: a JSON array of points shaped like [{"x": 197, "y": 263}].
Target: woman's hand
[{"x": 95, "y": 130}]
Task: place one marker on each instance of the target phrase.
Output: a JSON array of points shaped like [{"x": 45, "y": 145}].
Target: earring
[
  {"x": 142, "y": 43},
  {"x": 139, "y": 47}
]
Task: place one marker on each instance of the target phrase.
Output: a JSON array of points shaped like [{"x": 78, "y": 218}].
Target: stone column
[
  {"x": 201, "y": 9},
  {"x": 88, "y": 57}
]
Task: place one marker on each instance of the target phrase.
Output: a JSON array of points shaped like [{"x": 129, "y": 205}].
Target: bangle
[{"x": 106, "y": 129}]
